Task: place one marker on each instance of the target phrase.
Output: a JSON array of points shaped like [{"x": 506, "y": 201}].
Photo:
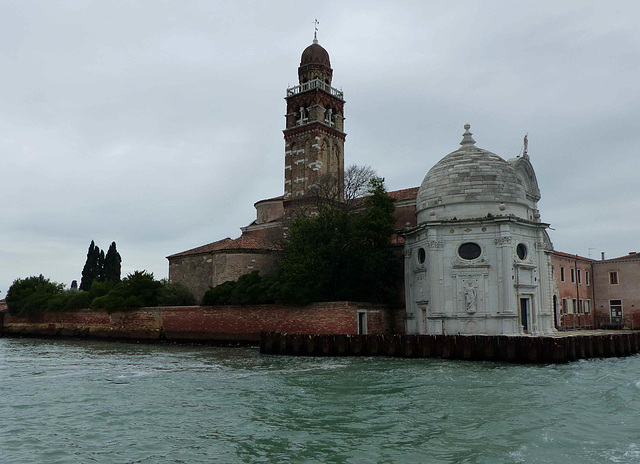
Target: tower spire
[{"x": 315, "y": 32}]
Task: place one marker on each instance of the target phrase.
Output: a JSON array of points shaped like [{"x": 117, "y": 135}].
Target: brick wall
[
  {"x": 626, "y": 289},
  {"x": 211, "y": 323}
]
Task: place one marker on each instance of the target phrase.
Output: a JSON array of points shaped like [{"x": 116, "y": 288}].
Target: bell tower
[{"x": 314, "y": 135}]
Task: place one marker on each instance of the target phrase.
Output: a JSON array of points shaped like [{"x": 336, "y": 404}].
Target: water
[{"x": 84, "y": 402}]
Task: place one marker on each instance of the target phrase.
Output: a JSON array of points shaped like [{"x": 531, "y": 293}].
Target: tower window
[{"x": 303, "y": 116}]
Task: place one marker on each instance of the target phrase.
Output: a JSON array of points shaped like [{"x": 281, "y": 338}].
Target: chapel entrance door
[{"x": 524, "y": 313}]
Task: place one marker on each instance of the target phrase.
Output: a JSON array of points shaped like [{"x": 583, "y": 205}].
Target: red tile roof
[
  {"x": 570, "y": 256},
  {"x": 632, "y": 255},
  {"x": 244, "y": 242},
  {"x": 405, "y": 194}
]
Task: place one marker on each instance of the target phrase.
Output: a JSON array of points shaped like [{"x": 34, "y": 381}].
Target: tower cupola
[{"x": 315, "y": 64}]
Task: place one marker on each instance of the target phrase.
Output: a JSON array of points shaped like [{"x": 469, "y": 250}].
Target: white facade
[{"x": 478, "y": 261}]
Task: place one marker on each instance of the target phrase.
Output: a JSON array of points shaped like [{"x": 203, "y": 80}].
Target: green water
[{"x": 94, "y": 402}]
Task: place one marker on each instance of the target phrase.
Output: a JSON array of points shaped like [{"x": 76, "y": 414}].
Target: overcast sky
[{"x": 158, "y": 124}]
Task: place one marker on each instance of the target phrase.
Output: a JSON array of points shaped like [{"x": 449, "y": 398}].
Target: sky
[{"x": 158, "y": 124}]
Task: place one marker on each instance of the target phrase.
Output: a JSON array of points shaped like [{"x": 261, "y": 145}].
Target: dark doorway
[
  {"x": 524, "y": 313},
  {"x": 362, "y": 323}
]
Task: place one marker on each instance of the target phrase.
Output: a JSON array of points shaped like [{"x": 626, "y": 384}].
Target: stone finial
[
  {"x": 466, "y": 137},
  {"x": 525, "y": 152}
]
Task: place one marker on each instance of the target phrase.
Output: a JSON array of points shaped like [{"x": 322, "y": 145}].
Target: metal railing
[{"x": 315, "y": 84}]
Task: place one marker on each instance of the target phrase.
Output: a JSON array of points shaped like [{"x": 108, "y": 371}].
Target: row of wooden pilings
[{"x": 515, "y": 349}]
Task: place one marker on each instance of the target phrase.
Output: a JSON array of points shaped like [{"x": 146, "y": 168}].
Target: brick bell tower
[{"x": 314, "y": 135}]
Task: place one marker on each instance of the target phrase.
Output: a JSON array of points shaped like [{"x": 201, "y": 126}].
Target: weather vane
[{"x": 315, "y": 32}]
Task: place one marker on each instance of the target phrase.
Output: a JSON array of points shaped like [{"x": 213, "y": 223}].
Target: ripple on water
[{"x": 82, "y": 402}]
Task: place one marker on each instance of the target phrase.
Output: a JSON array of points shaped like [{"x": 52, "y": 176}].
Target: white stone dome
[{"x": 472, "y": 183}]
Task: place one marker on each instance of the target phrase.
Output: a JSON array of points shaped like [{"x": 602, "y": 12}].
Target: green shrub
[
  {"x": 175, "y": 294},
  {"x": 77, "y": 300},
  {"x": 31, "y": 295},
  {"x": 134, "y": 291},
  {"x": 248, "y": 289}
]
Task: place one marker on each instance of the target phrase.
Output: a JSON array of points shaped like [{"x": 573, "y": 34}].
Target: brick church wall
[{"x": 194, "y": 272}]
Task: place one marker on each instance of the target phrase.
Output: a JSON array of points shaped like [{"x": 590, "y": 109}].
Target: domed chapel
[
  {"x": 476, "y": 253},
  {"x": 478, "y": 260}
]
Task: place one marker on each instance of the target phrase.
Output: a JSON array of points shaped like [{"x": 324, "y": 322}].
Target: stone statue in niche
[{"x": 470, "y": 296}]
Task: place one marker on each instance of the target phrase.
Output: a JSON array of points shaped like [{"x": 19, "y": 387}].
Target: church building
[
  {"x": 478, "y": 261},
  {"x": 476, "y": 253},
  {"x": 314, "y": 149}
]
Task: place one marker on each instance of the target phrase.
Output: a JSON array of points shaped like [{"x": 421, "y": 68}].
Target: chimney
[{"x": 602, "y": 253}]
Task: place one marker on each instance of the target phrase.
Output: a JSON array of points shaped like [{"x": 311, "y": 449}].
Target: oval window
[
  {"x": 422, "y": 255},
  {"x": 521, "y": 249},
  {"x": 469, "y": 250}
]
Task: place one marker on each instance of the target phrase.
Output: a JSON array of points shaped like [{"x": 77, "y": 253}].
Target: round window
[
  {"x": 469, "y": 250},
  {"x": 521, "y": 249},
  {"x": 422, "y": 255}
]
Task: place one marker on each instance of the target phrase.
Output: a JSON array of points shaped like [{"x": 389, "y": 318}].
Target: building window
[
  {"x": 521, "y": 250},
  {"x": 565, "y": 306},
  {"x": 422, "y": 256},
  {"x": 562, "y": 273},
  {"x": 587, "y": 306},
  {"x": 573, "y": 275},
  {"x": 469, "y": 251},
  {"x": 579, "y": 276},
  {"x": 581, "y": 306},
  {"x": 613, "y": 278},
  {"x": 574, "y": 306},
  {"x": 586, "y": 277}
]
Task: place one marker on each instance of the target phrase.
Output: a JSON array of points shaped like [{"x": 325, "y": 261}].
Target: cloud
[{"x": 158, "y": 125}]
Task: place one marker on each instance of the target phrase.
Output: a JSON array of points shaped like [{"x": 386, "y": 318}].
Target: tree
[
  {"x": 134, "y": 291},
  {"x": 91, "y": 270},
  {"x": 377, "y": 268},
  {"x": 112, "y": 264},
  {"x": 342, "y": 254},
  {"x": 32, "y": 295},
  {"x": 346, "y": 192}
]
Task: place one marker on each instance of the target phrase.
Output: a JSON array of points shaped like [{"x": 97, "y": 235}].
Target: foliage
[
  {"x": 342, "y": 254},
  {"x": 248, "y": 289},
  {"x": 346, "y": 192},
  {"x": 134, "y": 291},
  {"x": 31, "y": 295},
  {"x": 376, "y": 269},
  {"x": 112, "y": 264},
  {"x": 100, "y": 267},
  {"x": 91, "y": 269},
  {"x": 316, "y": 257},
  {"x": 175, "y": 294}
]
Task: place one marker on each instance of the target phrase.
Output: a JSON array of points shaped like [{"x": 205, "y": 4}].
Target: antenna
[{"x": 590, "y": 252}]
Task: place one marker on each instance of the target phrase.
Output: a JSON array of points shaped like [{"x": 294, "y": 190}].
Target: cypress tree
[
  {"x": 91, "y": 269},
  {"x": 112, "y": 266},
  {"x": 100, "y": 268}
]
